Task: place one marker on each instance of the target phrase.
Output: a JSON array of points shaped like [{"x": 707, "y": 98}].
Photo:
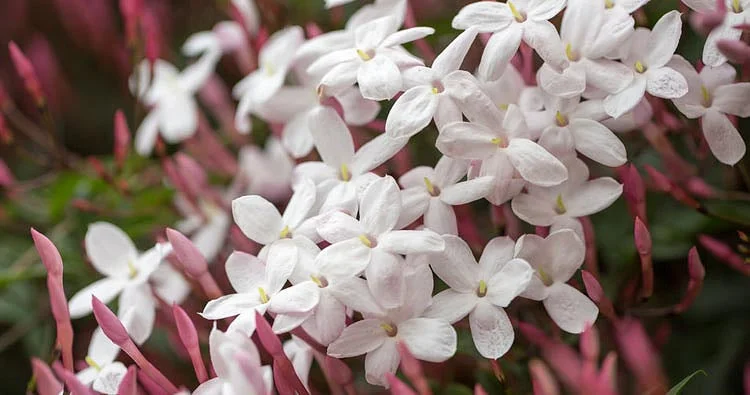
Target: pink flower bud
[
  {"x": 724, "y": 253},
  {"x": 46, "y": 382},
  {"x": 189, "y": 337},
  {"x": 640, "y": 356},
  {"x": 26, "y": 70},
  {"x": 6, "y": 176},
  {"x": 479, "y": 390},
  {"x": 192, "y": 173},
  {"x": 562, "y": 358},
  {"x": 643, "y": 245},
  {"x": 268, "y": 339},
  {"x": 313, "y": 30},
  {"x": 634, "y": 191},
  {"x": 398, "y": 387},
  {"x": 129, "y": 383},
  {"x": 542, "y": 379},
  {"x": 338, "y": 371},
  {"x": 608, "y": 372},
  {"x": 71, "y": 381},
  {"x": 413, "y": 369},
  {"x": 131, "y": 11},
  {"x": 152, "y": 36},
  {"x": 596, "y": 293},
  {"x": 589, "y": 344},
  {"x": 150, "y": 385},
  {"x": 191, "y": 258},
  {"x": 49, "y": 254},
  {"x": 122, "y": 139},
  {"x": 6, "y": 137},
  {"x": 110, "y": 324},
  {"x": 735, "y": 50},
  {"x": 695, "y": 283}
]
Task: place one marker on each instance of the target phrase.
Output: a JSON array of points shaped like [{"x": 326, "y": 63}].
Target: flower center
[
  {"x": 390, "y": 329},
  {"x": 263, "y": 295},
  {"x": 546, "y": 279},
  {"x": 366, "y": 55},
  {"x": 482, "y": 289},
  {"x": 320, "y": 281},
  {"x": 640, "y": 67},
  {"x": 736, "y": 6},
  {"x": 500, "y": 142},
  {"x": 368, "y": 240},
  {"x": 503, "y": 106},
  {"x": 561, "y": 120},
  {"x": 519, "y": 16},
  {"x": 572, "y": 54},
  {"x": 90, "y": 361},
  {"x": 132, "y": 270},
  {"x": 344, "y": 173},
  {"x": 285, "y": 233},
  {"x": 432, "y": 189},
  {"x": 437, "y": 87},
  {"x": 269, "y": 69},
  {"x": 609, "y": 4},
  {"x": 706, "y": 97},
  {"x": 560, "y": 206}
]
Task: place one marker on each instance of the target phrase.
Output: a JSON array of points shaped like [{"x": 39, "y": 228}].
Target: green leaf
[{"x": 677, "y": 388}]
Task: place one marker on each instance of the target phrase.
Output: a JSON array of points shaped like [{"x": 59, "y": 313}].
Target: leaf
[{"x": 677, "y": 388}]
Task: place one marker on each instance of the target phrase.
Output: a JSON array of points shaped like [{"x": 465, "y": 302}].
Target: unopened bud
[
  {"x": 542, "y": 379},
  {"x": 71, "y": 381},
  {"x": 122, "y": 139},
  {"x": 48, "y": 253},
  {"x": 129, "y": 383},
  {"x": 110, "y": 324},
  {"x": 26, "y": 70},
  {"x": 46, "y": 382},
  {"x": 735, "y": 50},
  {"x": 191, "y": 258}
]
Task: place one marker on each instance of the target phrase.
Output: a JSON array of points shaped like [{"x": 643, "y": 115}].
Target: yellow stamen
[
  {"x": 345, "y": 174},
  {"x": 389, "y": 329},
  {"x": 430, "y": 187},
  {"x": 90, "y": 361},
  {"x": 546, "y": 279},
  {"x": 263, "y": 295},
  {"x": 269, "y": 69},
  {"x": 706, "y": 96},
  {"x": 482, "y": 291},
  {"x": 560, "y": 209},
  {"x": 285, "y": 233},
  {"x": 132, "y": 271},
  {"x": 365, "y": 240},
  {"x": 513, "y": 10},
  {"x": 608, "y": 4},
  {"x": 503, "y": 106},
  {"x": 736, "y": 6},
  {"x": 639, "y": 67},
  {"x": 497, "y": 141},
  {"x": 570, "y": 53},
  {"x": 561, "y": 119},
  {"x": 317, "y": 281},
  {"x": 435, "y": 91},
  {"x": 363, "y": 55}
]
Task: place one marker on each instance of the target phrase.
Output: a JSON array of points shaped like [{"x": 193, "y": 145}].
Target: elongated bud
[
  {"x": 695, "y": 283},
  {"x": 561, "y": 357},
  {"x": 596, "y": 293},
  {"x": 413, "y": 369},
  {"x": 46, "y": 382},
  {"x": 152, "y": 36},
  {"x": 48, "y": 253},
  {"x": 191, "y": 258},
  {"x": 542, "y": 379},
  {"x": 724, "y": 253},
  {"x": 639, "y": 355},
  {"x": 644, "y": 245},
  {"x": 589, "y": 344},
  {"x": 479, "y": 390},
  {"x": 71, "y": 381},
  {"x": 6, "y": 176},
  {"x": 634, "y": 191},
  {"x": 129, "y": 383},
  {"x": 189, "y": 337},
  {"x": 338, "y": 371},
  {"x": 26, "y": 70},
  {"x": 313, "y": 30},
  {"x": 398, "y": 387},
  {"x": 192, "y": 173},
  {"x": 122, "y": 139},
  {"x": 283, "y": 370},
  {"x": 664, "y": 184},
  {"x": 608, "y": 372},
  {"x": 131, "y": 12},
  {"x": 110, "y": 324},
  {"x": 150, "y": 385},
  {"x": 58, "y": 303},
  {"x": 6, "y": 137},
  {"x": 268, "y": 339},
  {"x": 735, "y": 50}
]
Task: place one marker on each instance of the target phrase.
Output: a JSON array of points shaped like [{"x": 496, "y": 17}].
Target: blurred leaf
[
  {"x": 734, "y": 211},
  {"x": 677, "y": 388}
]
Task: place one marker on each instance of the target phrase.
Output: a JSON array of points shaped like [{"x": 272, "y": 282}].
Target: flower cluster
[{"x": 351, "y": 264}]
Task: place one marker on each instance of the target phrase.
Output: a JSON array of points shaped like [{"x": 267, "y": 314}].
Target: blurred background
[{"x": 79, "y": 51}]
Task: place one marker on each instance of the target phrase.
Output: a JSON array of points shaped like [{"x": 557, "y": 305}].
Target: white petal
[
  {"x": 487, "y": 16},
  {"x": 376, "y": 152},
  {"x": 595, "y": 141},
  {"x": 296, "y": 136},
  {"x": 245, "y": 272},
  {"x": 543, "y": 37},
  {"x": 666, "y": 83},
  {"x": 280, "y": 262},
  {"x": 440, "y": 218},
  {"x": 109, "y": 249},
  {"x": 329, "y": 318},
  {"x": 499, "y": 50},
  {"x": 608, "y": 75},
  {"x": 456, "y": 266},
  {"x": 533, "y": 209},
  {"x": 467, "y": 191},
  {"x": 664, "y": 39},
  {"x": 412, "y": 112},
  {"x": 448, "y": 171},
  {"x": 340, "y": 78},
  {"x": 379, "y": 78},
  {"x": 356, "y": 295},
  {"x": 300, "y": 298},
  {"x": 592, "y": 197},
  {"x": 571, "y": 310},
  {"x": 284, "y": 323},
  {"x": 466, "y": 140},
  {"x": 137, "y": 311},
  {"x": 337, "y": 227},
  {"x": 300, "y": 203},
  {"x": 491, "y": 330},
  {"x": 230, "y": 305},
  {"x": 496, "y": 254},
  {"x": 414, "y": 203},
  {"x": 451, "y": 306},
  {"x": 733, "y": 99},
  {"x": 148, "y": 131},
  {"x": 105, "y": 290},
  {"x": 560, "y": 255},
  {"x": 429, "y": 339},
  {"x": 380, "y": 206},
  {"x": 453, "y": 55},
  {"x": 571, "y": 82},
  {"x": 447, "y": 112},
  {"x": 617, "y": 104},
  {"x": 371, "y": 34},
  {"x": 101, "y": 349},
  {"x": 178, "y": 117},
  {"x": 509, "y": 282},
  {"x": 406, "y": 36},
  {"x": 545, "y": 9},
  {"x": 169, "y": 284},
  {"x": 723, "y": 138},
  {"x": 332, "y": 138},
  {"x": 382, "y": 360},
  {"x": 535, "y": 164},
  {"x": 109, "y": 378},
  {"x": 343, "y": 258},
  {"x": 411, "y": 242},
  {"x": 386, "y": 279},
  {"x": 711, "y": 54},
  {"x": 358, "y": 338},
  {"x": 357, "y": 110},
  {"x": 258, "y": 219}
]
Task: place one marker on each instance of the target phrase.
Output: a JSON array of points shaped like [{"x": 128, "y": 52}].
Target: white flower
[
  {"x": 372, "y": 243},
  {"x": 377, "y": 335},
  {"x": 576, "y": 197},
  {"x": 225, "y": 37},
  {"x": 256, "y": 282},
  {"x": 501, "y": 142},
  {"x": 170, "y": 93},
  {"x": 207, "y": 229},
  {"x": 104, "y": 374},
  {"x": 375, "y": 61},
  {"x": 265, "y": 172},
  {"x": 510, "y": 23},
  {"x": 274, "y": 61},
  {"x": 648, "y": 54},
  {"x": 587, "y": 35},
  {"x": 378, "y": 9},
  {"x": 711, "y": 95},
  {"x": 126, "y": 272},
  {"x": 261, "y": 222},
  {"x": 249, "y": 13},
  {"x": 738, "y": 12},
  {"x": 228, "y": 352},
  {"x": 480, "y": 291},
  {"x": 555, "y": 260},
  {"x": 433, "y": 192},
  {"x": 429, "y": 93},
  {"x": 628, "y": 6},
  {"x": 343, "y": 174}
]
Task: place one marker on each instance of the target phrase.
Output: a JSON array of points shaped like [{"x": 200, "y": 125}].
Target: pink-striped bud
[
  {"x": 338, "y": 371},
  {"x": 634, "y": 191},
  {"x": 542, "y": 379},
  {"x": 724, "y": 253},
  {"x": 268, "y": 339},
  {"x": 58, "y": 303},
  {"x": 131, "y": 12},
  {"x": 46, "y": 382},
  {"x": 191, "y": 258},
  {"x": 413, "y": 369},
  {"x": 129, "y": 383},
  {"x": 639, "y": 355},
  {"x": 589, "y": 344},
  {"x": 122, "y": 139},
  {"x": 644, "y": 245},
  {"x": 26, "y": 70},
  {"x": 661, "y": 181},
  {"x": 313, "y": 30},
  {"x": 48, "y": 253},
  {"x": 561, "y": 357},
  {"x": 695, "y": 267},
  {"x": 71, "y": 381},
  {"x": 185, "y": 327},
  {"x": 192, "y": 173},
  {"x": 150, "y": 385},
  {"x": 479, "y": 390},
  {"x": 110, "y": 324},
  {"x": 152, "y": 36},
  {"x": 596, "y": 293},
  {"x": 695, "y": 284},
  {"x": 6, "y": 176},
  {"x": 398, "y": 387}
]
